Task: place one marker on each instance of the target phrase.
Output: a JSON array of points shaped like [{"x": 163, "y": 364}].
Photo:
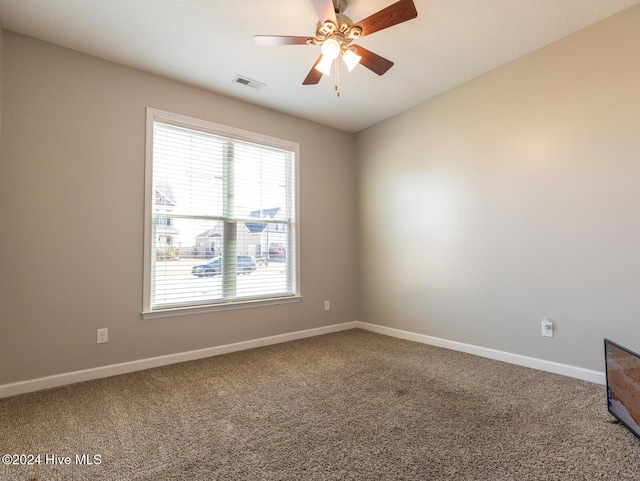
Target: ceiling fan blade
[
  {"x": 276, "y": 40},
  {"x": 388, "y": 17},
  {"x": 326, "y": 10},
  {"x": 373, "y": 61},
  {"x": 314, "y": 75}
]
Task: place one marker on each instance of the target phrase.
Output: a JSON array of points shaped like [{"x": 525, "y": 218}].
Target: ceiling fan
[{"x": 336, "y": 33}]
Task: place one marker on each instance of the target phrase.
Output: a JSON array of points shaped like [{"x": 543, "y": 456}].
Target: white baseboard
[
  {"x": 57, "y": 380},
  {"x": 540, "y": 364},
  {"x": 31, "y": 385}
]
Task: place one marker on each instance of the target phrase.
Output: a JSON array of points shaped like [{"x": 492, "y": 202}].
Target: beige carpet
[{"x": 347, "y": 406}]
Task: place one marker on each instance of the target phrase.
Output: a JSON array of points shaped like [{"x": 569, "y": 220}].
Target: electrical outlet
[
  {"x": 547, "y": 327},
  {"x": 327, "y": 306},
  {"x": 103, "y": 335}
]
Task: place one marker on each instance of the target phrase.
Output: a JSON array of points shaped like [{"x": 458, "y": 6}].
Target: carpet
[{"x": 352, "y": 405}]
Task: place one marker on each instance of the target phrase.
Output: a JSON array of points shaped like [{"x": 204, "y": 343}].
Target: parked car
[
  {"x": 277, "y": 252},
  {"x": 245, "y": 265}
]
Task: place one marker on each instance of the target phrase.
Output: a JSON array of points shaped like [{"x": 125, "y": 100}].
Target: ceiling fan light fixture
[
  {"x": 351, "y": 59},
  {"x": 324, "y": 65},
  {"x": 331, "y": 48},
  {"x": 335, "y": 33}
]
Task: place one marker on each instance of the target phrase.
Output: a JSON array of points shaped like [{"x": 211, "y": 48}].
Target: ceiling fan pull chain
[{"x": 337, "y": 89}]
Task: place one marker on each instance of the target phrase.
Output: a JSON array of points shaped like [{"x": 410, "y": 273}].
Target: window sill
[{"x": 184, "y": 311}]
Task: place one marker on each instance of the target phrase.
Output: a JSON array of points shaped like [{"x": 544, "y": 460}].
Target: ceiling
[{"x": 208, "y": 42}]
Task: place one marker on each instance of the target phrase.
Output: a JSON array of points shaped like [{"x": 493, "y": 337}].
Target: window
[{"x": 220, "y": 217}]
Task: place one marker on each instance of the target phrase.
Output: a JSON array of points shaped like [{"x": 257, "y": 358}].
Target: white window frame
[{"x": 156, "y": 115}]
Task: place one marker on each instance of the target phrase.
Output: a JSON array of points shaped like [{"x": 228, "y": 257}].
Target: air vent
[{"x": 247, "y": 82}]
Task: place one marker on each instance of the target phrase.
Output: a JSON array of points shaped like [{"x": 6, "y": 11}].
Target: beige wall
[
  {"x": 512, "y": 197},
  {"x": 1, "y": 75},
  {"x": 479, "y": 212},
  {"x": 72, "y": 193}
]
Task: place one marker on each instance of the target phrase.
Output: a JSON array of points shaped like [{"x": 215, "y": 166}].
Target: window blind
[{"x": 222, "y": 216}]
